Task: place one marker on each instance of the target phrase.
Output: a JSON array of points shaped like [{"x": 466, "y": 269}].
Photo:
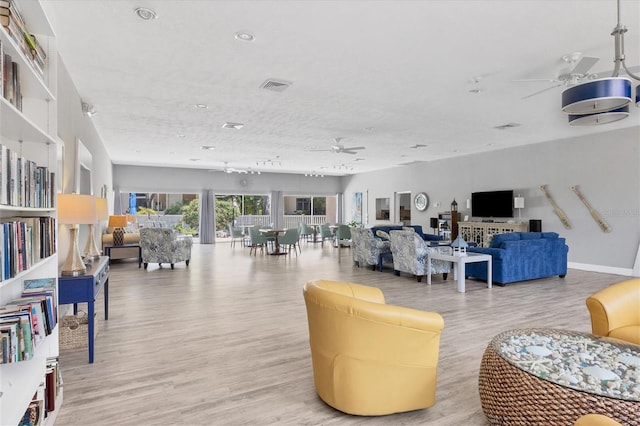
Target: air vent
[
  {"x": 507, "y": 126},
  {"x": 230, "y": 125},
  {"x": 275, "y": 85}
]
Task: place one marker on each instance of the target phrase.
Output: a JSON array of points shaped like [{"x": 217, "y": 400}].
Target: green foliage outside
[
  {"x": 175, "y": 209},
  {"x": 146, "y": 211},
  {"x": 191, "y": 215}
]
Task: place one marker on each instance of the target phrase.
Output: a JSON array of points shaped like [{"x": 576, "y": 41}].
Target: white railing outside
[
  {"x": 292, "y": 220},
  {"x": 251, "y": 219}
]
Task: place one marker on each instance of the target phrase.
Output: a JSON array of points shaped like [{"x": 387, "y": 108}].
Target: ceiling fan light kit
[
  {"x": 597, "y": 96},
  {"x": 599, "y": 118},
  {"x": 603, "y": 100}
]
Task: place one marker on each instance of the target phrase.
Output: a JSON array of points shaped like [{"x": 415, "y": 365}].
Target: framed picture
[{"x": 356, "y": 208}]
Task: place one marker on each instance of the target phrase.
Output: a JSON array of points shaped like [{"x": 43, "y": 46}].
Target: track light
[{"x": 88, "y": 109}]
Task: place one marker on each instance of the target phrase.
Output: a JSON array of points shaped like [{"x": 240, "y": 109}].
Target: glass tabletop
[{"x": 580, "y": 361}]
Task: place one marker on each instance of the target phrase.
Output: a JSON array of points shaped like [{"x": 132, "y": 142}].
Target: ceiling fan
[
  {"x": 578, "y": 72},
  {"x": 338, "y": 148},
  {"x": 228, "y": 169}
]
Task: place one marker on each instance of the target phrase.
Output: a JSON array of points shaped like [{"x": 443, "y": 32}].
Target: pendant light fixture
[{"x": 604, "y": 100}]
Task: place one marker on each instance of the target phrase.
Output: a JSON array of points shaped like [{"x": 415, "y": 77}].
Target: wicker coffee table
[{"x": 552, "y": 377}]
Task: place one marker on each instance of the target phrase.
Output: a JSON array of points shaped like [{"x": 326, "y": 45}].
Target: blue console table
[{"x": 85, "y": 288}]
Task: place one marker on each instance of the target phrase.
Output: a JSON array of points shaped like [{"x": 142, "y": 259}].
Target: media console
[{"x": 482, "y": 232}]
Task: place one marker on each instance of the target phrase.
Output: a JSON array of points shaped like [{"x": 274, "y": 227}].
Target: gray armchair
[
  {"x": 367, "y": 249},
  {"x": 410, "y": 253},
  {"x": 163, "y": 245}
]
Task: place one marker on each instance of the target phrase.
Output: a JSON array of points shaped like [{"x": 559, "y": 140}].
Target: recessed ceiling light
[
  {"x": 230, "y": 125},
  {"x": 476, "y": 91},
  {"x": 201, "y": 106},
  {"x": 181, "y": 136},
  {"x": 194, "y": 159},
  {"x": 146, "y": 14},
  {"x": 507, "y": 126},
  {"x": 244, "y": 36},
  {"x": 209, "y": 147},
  {"x": 368, "y": 129}
]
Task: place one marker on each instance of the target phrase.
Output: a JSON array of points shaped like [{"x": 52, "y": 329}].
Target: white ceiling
[{"x": 386, "y": 75}]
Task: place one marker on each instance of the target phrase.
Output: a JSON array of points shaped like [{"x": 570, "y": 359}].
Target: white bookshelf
[{"x": 31, "y": 133}]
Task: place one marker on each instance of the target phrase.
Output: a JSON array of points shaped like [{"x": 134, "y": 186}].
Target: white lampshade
[
  {"x": 518, "y": 202},
  {"x": 101, "y": 208},
  {"x": 76, "y": 209}
]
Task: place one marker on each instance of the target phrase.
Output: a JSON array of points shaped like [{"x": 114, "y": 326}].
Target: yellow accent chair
[
  {"x": 595, "y": 420},
  {"x": 370, "y": 358},
  {"x": 615, "y": 311}
]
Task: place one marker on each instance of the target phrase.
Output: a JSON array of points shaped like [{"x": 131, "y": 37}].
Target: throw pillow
[
  {"x": 118, "y": 237},
  {"x": 380, "y": 233}
]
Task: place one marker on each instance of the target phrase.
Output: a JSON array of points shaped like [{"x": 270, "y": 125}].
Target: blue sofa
[
  {"x": 519, "y": 256},
  {"x": 418, "y": 229}
]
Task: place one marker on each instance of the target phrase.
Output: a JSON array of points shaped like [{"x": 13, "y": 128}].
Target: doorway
[{"x": 403, "y": 207}]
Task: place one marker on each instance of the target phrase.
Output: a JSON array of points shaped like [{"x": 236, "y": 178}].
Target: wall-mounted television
[{"x": 492, "y": 204}]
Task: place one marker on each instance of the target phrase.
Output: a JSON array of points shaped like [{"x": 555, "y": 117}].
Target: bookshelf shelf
[{"x": 28, "y": 130}]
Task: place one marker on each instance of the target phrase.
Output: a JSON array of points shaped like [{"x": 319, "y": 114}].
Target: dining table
[{"x": 274, "y": 232}]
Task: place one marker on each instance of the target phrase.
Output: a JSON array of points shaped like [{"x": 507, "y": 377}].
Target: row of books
[
  {"x": 44, "y": 400},
  {"x": 24, "y": 242},
  {"x": 23, "y": 183},
  {"x": 14, "y": 25},
  {"x": 25, "y": 322},
  {"x": 10, "y": 86}
]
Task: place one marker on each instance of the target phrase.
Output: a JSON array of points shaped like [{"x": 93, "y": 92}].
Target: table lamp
[
  {"x": 518, "y": 203},
  {"x": 118, "y": 222},
  {"x": 91, "y": 250},
  {"x": 74, "y": 210}
]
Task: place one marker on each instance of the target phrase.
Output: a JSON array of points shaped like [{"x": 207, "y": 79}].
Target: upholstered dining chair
[
  {"x": 306, "y": 231},
  {"x": 290, "y": 239},
  {"x": 370, "y": 358},
  {"x": 615, "y": 311},
  {"x": 343, "y": 233},
  {"x": 237, "y": 234},
  {"x": 256, "y": 240},
  {"x": 325, "y": 233}
]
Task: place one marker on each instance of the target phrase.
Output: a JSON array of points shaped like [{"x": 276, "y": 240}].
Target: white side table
[{"x": 458, "y": 266}]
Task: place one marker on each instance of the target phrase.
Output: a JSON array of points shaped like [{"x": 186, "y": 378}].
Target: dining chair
[
  {"x": 325, "y": 233},
  {"x": 306, "y": 231},
  {"x": 236, "y": 234},
  {"x": 257, "y": 239},
  {"x": 290, "y": 239},
  {"x": 343, "y": 233}
]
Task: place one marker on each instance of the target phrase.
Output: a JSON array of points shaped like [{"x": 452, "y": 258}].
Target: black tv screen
[{"x": 492, "y": 204}]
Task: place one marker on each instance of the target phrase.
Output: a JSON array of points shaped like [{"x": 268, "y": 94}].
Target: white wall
[
  {"x": 606, "y": 167},
  {"x": 164, "y": 179}
]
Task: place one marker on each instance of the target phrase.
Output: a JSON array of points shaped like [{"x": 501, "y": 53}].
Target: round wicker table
[{"x": 552, "y": 377}]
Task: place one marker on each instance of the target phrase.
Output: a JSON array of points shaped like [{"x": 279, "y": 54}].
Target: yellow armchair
[
  {"x": 370, "y": 358},
  {"x": 595, "y": 420},
  {"x": 615, "y": 311}
]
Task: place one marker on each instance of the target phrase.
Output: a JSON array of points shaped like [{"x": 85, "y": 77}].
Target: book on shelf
[
  {"x": 23, "y": 182},
  {"x": 11, "y": 20}
]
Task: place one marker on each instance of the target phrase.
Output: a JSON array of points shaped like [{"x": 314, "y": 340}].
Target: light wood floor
[{"x": 224, "y": 341}]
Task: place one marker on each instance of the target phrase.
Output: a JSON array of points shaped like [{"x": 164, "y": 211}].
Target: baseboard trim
[{"x": 601, "y": 268}]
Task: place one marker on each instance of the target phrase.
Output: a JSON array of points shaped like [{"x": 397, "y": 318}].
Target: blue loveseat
[
  {"x": 418, "y": 229},
  {"x": 519, "y": 256}
]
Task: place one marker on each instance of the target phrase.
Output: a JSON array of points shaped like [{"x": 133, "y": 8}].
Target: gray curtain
[
  {"x": 340, "y": 207},
  {"x": 276, "y": 209},
  {"x": 117, "y": 202},
  {"x": 207, "y": 217}
]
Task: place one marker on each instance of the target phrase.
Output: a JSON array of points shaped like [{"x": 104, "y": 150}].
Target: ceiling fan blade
[
  {"x": 321, "y": 150},
  {"x": 355, "y": 148},
  {"x": 346, "y": 151},
  {"x": 541, "y": 91},
  {"x": 584, "y": 65}
]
